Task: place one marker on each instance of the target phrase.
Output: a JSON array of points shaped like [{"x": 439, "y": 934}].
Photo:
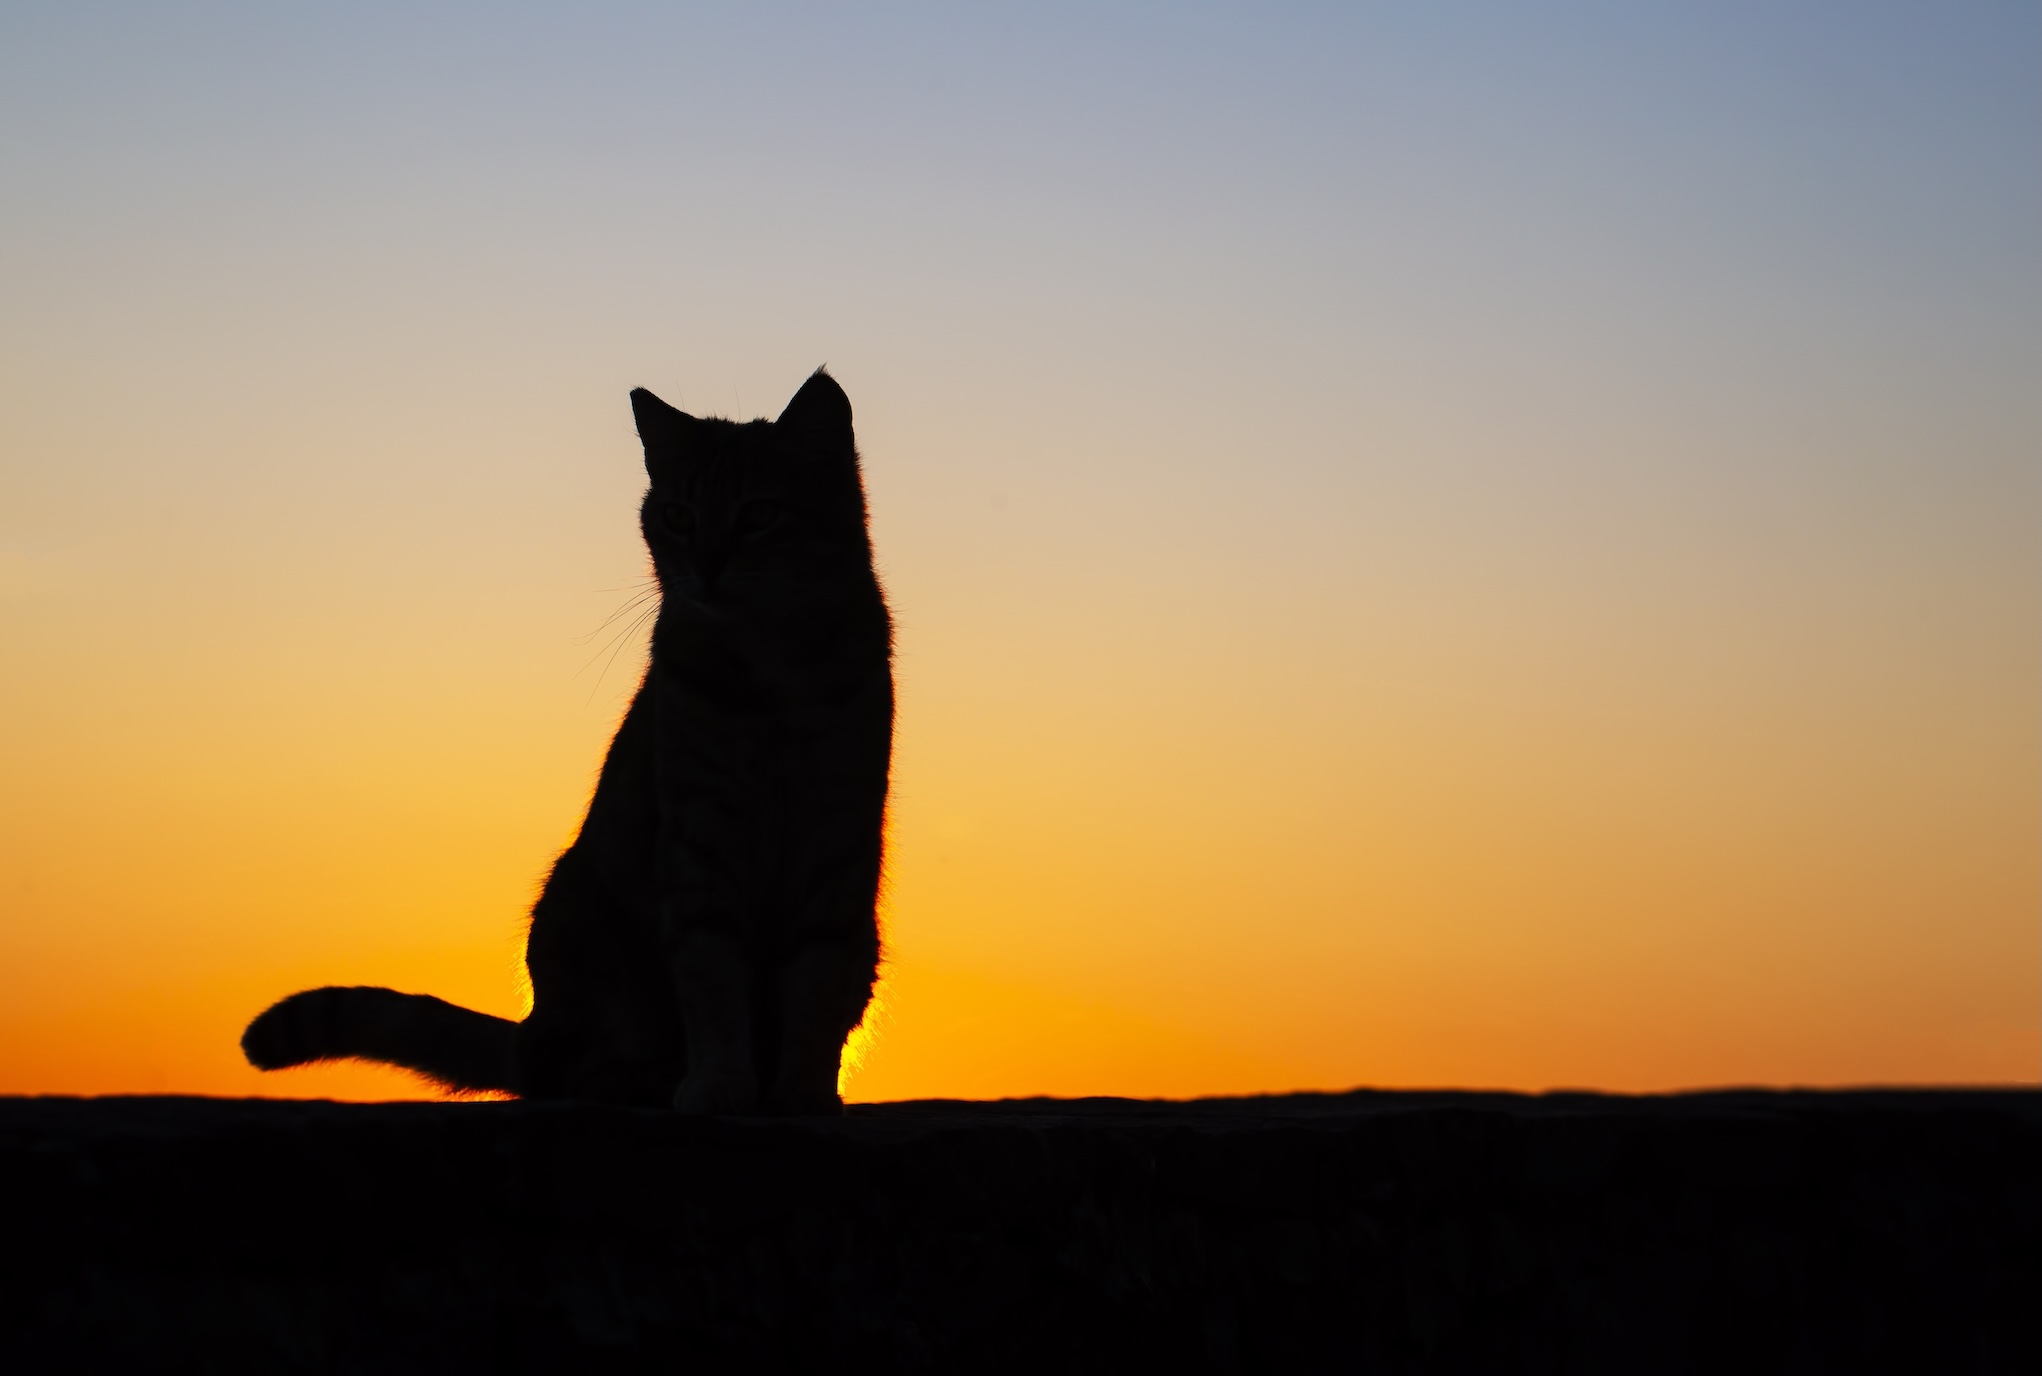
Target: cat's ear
[
  {"x": 819, "y": 417},
  {"x": 668, "y": 434}
]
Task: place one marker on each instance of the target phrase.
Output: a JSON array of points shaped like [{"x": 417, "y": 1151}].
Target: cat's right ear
[{"x": 668, "y": 434}]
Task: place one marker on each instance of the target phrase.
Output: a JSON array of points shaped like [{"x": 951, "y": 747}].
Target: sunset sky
[{"x": 1433, "y": 544}]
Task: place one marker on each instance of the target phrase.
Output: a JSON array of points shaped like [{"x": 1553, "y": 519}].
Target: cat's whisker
[
  {"x": 597, "y": 687},
  {"x": 615, "y": 644},
  {"x": 636, "y": 600},
  {"x": 632, "y": 610}
]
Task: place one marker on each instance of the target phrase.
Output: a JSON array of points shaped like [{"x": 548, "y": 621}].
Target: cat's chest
[
  {"x": 769, "y": 716},
  {"x": 749, "y": 679}
]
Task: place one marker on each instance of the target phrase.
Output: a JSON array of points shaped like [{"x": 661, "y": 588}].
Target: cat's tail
[{"x": 452, "y": 1046}]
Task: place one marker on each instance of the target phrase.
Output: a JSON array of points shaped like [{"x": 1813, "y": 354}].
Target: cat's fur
[{"x": 709, "y": 940}]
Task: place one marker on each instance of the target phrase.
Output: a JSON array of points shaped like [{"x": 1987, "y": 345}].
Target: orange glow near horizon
[{"x": 1443, "y": 891}]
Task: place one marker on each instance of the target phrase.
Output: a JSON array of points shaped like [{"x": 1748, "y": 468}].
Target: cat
[{"x": 710, "y": 938}]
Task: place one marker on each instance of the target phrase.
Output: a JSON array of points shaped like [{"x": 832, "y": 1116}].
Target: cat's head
[{"x": 757, "y": 517}]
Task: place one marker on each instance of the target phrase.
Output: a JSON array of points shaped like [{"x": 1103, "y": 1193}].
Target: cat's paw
[
  {"x": 704, "y": 1096},
  {"x": 813, "y": 1096},
  {"x": 826, "y": 1105}
]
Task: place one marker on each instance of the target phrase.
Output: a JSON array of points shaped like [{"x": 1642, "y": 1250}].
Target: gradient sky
[{"x": 1473, "y": 544}]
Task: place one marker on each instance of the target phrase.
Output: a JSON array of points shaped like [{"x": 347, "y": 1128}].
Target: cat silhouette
[{"x": 709, "y": 939}]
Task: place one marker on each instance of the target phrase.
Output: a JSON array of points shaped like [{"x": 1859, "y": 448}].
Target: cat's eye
[
  {"x": 678, "y": 519},
  {"x": 757, "y": 517}
]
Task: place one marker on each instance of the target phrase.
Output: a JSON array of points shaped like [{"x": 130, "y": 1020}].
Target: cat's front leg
[
  {"x": 713, "y": 976},
  {"x": 823, "y": 992}
]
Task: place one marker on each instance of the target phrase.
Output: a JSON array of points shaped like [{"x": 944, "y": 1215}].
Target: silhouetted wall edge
[{"x": 1747, "y": 1231}]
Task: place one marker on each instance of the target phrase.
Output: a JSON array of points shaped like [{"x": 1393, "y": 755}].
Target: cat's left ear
[
  {"x": 819, "y": 417},
  {"x": 667, "y": 433}
]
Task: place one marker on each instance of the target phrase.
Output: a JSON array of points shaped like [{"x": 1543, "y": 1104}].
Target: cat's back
[{"x": 621, "y": 828}]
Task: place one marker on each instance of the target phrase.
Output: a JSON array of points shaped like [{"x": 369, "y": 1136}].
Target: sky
[{"x": 1454, "y": 544}]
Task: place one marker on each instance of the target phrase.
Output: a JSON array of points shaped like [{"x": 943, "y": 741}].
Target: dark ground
[{"x": 1731, "y": 1232}]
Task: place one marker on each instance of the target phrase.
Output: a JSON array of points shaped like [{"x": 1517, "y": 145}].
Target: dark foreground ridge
[{"x": 1393, "y": 1232}]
